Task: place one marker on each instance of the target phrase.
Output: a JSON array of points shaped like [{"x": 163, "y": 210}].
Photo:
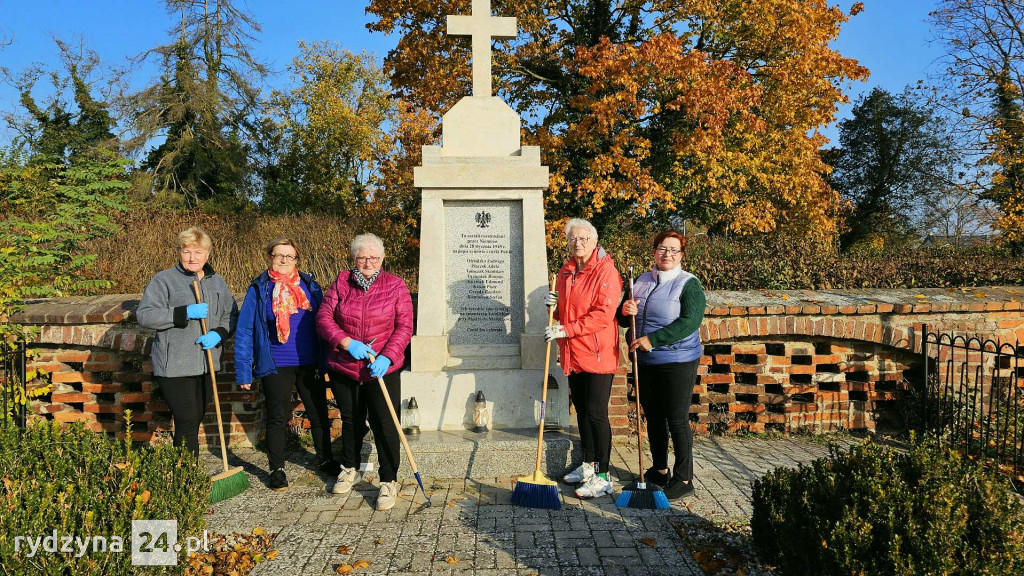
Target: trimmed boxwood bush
[
  {"x": 84, "y": 484},
  {"x": 874, "y": 510}
]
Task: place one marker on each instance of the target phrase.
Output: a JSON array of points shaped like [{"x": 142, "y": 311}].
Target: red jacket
[
  {"x": 384, "y": 313},
  {"x": 587, "y": 302}
]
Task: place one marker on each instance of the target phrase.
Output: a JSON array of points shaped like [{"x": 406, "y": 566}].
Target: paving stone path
[{"x": 472, "y": 529}]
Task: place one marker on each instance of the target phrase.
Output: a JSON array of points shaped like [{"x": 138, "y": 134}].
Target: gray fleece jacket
[{"x": 162, "y": 308}]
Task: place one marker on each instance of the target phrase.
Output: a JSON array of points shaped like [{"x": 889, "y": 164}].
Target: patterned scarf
[
  {"x": 288, "y": 298},
  {"x": 363, "y": 281}
]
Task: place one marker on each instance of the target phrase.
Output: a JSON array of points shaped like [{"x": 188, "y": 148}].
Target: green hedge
[
  {"x": 84, "y": 484},
  {"x": 874, "y": 510}
]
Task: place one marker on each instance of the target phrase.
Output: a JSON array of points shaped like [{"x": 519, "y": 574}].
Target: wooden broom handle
[
  {"x": 636, "y": 382},
  {"x": 213, "y": 381},
  {"x": 394, "y": 418},
  {"x": 544, "y": 386}
]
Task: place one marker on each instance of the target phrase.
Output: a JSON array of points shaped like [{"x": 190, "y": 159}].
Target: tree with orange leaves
[{"x": 653, "y": 110}]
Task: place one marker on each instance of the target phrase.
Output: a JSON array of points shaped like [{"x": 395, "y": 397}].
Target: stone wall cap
[{"x": 120, "y": 308}]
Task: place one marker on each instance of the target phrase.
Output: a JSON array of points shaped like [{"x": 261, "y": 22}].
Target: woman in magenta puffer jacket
[{"x": 367, "y": 312}]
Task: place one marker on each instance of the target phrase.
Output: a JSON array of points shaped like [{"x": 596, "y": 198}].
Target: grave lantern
[
  {"x": 480, "y": 420},
  {"x": 411, "y": 417}
]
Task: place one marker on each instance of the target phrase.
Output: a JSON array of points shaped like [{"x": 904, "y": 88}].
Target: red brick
[
  {"x": 866, "y": 309},
  {"x": 102, "y": 366},
  {"x": 847, "y": 309},
  {"x": 98, "y": 408},
  {"x": 717, "y": 379},
  {"x": 72, "y": 398},
  {"x": 883, "y": 308},
  {"x": 134, "y": 397},
  {"x": 73, "y": 416},
  {"x": 73, "y": 356},
  {"x": 100, "y": 388}
]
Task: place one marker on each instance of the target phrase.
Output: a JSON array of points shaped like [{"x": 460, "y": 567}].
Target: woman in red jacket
[
  {"x": 587, "y": 295},
  {"x": 366, "y": 304}
]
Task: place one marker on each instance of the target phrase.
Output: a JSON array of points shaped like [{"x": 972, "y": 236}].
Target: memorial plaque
[{"x": 484, "y": 272}]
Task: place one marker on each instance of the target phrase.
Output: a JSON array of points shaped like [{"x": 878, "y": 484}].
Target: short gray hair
[
  {"x": 580, "y": 223},
  {"x": 366, "y": 240}
]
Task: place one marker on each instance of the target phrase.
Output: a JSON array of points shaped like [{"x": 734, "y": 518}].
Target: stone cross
[{"x": 481, "y": 26}]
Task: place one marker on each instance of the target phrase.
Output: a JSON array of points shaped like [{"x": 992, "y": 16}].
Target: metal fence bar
[{"x": 13, "y": 368}]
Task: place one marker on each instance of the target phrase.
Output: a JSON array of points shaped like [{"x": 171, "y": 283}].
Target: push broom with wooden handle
[{"x": 232, "y": 481}]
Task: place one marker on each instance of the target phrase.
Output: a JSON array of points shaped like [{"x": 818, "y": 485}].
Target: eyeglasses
[
  {"x": 672, "y": 251},
  {"x": 578, "y": 240},
  {"x": 284, "y": 257},
  {"x": 370, "y": 259}
]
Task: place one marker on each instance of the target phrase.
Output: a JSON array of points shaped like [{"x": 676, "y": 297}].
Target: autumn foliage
[{"x": 656, "y": 109}]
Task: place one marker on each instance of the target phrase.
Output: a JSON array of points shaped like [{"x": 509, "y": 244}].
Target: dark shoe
[
  {"x": 677, "y": 488},
  {"x": 278, "y": 481},
  {"x": 330, "y": 468},
  {"x": 655, "y": 477}
]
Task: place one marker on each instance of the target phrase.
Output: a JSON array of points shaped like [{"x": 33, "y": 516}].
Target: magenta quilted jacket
[{"x": 384, "y": 313}]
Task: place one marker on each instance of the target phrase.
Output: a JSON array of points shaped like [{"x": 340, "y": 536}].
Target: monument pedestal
[{"x": 483, "y": 275}]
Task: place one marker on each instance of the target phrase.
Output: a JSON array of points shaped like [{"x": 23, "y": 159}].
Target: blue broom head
[
  {"x": 643, "y": 496},
  {"x": 419, "y": 481},
  {"x": 536, "y": 496}
]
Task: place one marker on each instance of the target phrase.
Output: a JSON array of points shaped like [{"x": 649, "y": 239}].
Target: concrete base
[
  {"x": 495, "y": 454},
  {"x": 446, "y": 399}
]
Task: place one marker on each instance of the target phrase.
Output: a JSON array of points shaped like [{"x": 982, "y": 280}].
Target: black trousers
[
  {"x": 358, "y": 402},
  {"x": 590, "y": 395},
  {"x": 187, "y": 397},
  {"x": 666, "y": 391},
  {"x": 277, "y": 391}
]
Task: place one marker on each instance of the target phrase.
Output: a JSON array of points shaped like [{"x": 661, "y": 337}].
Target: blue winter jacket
[{"x": 252, "y": 337}]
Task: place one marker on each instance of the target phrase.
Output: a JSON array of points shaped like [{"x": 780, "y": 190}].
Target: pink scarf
[{"x": 287, "y": 299}]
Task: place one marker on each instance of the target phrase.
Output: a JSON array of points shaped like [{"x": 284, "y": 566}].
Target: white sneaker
[
  {"x": 580, "y": 474},
  {"x": 594, "y": 487},
  {"x": 387, "y": 495},
  {"x": 346, "y": 479}
]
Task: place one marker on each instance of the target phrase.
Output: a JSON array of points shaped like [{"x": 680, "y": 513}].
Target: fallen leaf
[
  {"x": 344, "y": 569},
  {"x": 258, "y": 531},
  {"x": 272, "y": 554},
  {"x": 361, "y": 564},
  {"x": 343, "y": 549},
  {"x": 784, "y": 296},
  {"x": 145, "y": 496},
  {"x": 919, "y": 296},
  {"x": 378, "y": 541},
  {"x": 649, "y": 541},
  {"x": 451, "y": 559},
  {"x": 979, "y": 295}
]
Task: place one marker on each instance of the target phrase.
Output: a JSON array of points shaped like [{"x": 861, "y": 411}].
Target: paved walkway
[{"x": 472, "y": 529}]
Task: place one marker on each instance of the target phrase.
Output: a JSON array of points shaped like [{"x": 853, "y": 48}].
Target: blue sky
[{"x": 891, "y": 37}]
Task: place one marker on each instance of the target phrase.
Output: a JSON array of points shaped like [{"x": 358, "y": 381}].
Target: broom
[
  {"x": 401, "y": 435},
  {"x": 638, "y": 494},
  {"x": 232, "y": 481},
  {"x": 536, "y": 490}
]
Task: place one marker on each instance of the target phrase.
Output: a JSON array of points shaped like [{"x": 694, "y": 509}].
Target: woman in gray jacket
[{"x": 169, "y": 307}]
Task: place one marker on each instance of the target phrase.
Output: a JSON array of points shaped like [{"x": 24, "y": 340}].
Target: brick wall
[{"x": 788, "y": 361}]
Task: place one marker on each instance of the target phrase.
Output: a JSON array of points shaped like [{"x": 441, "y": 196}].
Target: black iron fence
[
  {"x": 973, "y": 399},
  {"x": 13, "y": 393}
]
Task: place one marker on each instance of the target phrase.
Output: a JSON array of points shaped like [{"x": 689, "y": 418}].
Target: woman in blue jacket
[{"x": 276, "y": 340}]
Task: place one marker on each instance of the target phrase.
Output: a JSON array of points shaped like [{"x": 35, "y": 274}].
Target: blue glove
[
  {"x": 360, "y": 351},
  {"x": 196, "y": 311},
  {"x": 379, "y": 367},
  {"x": 209, "y": 340}
]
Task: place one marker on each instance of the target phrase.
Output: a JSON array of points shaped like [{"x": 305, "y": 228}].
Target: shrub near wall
[
  {"x": 81, "y": 484},
  {"x": 876, "y": 511}
]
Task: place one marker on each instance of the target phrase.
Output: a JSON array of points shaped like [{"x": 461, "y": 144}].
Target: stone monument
[{"x": 483, "y": 260}]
